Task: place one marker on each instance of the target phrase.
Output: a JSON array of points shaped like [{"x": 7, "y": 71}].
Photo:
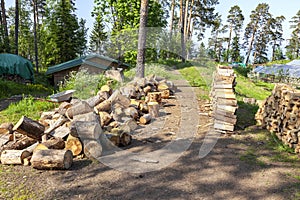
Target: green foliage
[
  {"x": 152, "y": 69},
  {"x": 242, "y": 70},
  {"x": 85, "y": 84},
  {"x": 10, "y": 88},
  {"x": 245, "y": 115},
  {"x": 28, "y": 106}
]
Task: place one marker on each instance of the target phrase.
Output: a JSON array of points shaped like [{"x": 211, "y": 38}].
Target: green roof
[{"x": 80, "y": 61}]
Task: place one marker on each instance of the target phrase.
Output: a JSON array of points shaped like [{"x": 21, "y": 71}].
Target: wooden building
[{"x": 95, "y": 64}]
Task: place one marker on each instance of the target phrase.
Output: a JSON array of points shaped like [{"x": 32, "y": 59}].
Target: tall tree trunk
[
  {"x": 273, "y": 51},
  {"x": 140, "y": 67},
  {"x": 186, "y": 19},
  {"x": 183, "y": 48},
  {"x": 250, "y": 48},
  {"x": 229, "y": 43},
  {"x": 6, "y": 39},
  {"x": 17, "y": 27},
  {"x": 35, "y": 21},
  {"x": 190, "y": 20},
  {"x": 171, "y": 28}
]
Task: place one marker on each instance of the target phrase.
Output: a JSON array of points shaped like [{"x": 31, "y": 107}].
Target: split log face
[
  {"x": 154, "y": 97},
  {"x": 30, "y": 127},
  {"x": 74, "y": 144},
  {"x": 105, "y": 118},
  {"x": 52, "y": 159},
  {"x": 14, "y": 157},
  {"x": 103, "y": 106}
]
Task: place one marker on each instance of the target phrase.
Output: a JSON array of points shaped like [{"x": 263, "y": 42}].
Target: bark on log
[
  {"x": 52, "y": 159},
  {"x": 103, "y": 106},
  {"x": 60, "y": 121},
  {"x": 5, "y": 138},
  {"x": 29, "y": 127},
  {"x": 153, "y": 109},
  {"x": 6, "y": 128},
  {"x": 77, "y": 109},
  {"x": 20, "y": 144},
  {"x": 14, "y": 157},
  {"x": 54, "y": 143},
  {"x": 105, "y": 118},
  {"x": 95, "y": 100},
  {"x": 61, "y": 132}
]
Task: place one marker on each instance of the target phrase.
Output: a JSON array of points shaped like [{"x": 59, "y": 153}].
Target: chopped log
[
  {"x": 103, "y": 95},
  {"x": 165, "y": 94},
  {"x": 61, "y": 132},
  {"x": 60, "y": 121},
  {"x": 154, "y": 97},
  {"x": 54, "y": 143},
  {"x": 74, "y": 144},
  {"x": 145, "y": 119},
  {"x": 103, "y": 106},
  {"x": 47, "y": 115},
  {"x": 95, "y": 100},
  {"x": 92, "y": 149},
  {"x": 153, "y": 109},
  {"x": 147, "y": 89},
  {"x": 106, "y": 88},
  {"x": 117, "y": 97},
  {"x": 26, "y": 161},
  {"x": 131, "y": 112},
  {"x": 77, "y": 109},
  {"x": 6, "y": 128},
  {"x": 14, "y": 157},
  {"x": 135, "y": 102},
  {"x": 31, "y": 148},
  {"x": 40, "y": 146},
  {"x": 87, "y": 117},
  {"x": 113, "y": 138},
  {"x": 144, "y": 107},
  {"x": 29, "y": 127},
  {"x": 20, "y": 144},
  {"x": 105, "y": 118},
  {"x": 162, "y": 86},
  {"x": 5, "y": 138},
  {"x": 52, "y": 159}
]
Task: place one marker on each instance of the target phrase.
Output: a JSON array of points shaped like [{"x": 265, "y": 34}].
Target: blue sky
[{"x": 287, "y": 8}]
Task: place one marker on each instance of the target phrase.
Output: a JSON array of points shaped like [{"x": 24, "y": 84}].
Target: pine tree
[
  {"x": 293, "y": 47},
  {"x": 276, "y": 33}
]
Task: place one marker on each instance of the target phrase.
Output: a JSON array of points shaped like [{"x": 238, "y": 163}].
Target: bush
[{"x": 85, "y": 84}]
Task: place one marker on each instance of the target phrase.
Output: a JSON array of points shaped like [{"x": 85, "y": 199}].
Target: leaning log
[
  {"x": 52, "y": 159},
  {"x": 29, "y": 127}
]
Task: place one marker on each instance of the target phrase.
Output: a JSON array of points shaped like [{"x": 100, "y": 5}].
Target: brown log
[
  {"x": 14, "y": 157},
  {"x": 165, "y": 94},
  {"x": 54, "y": 143},
  {"x": 77, "y": 109},
  {"x": 147, "y": 89},
  {"x": 145, "y": 119},
  {"x": 114, "y": 138},
  {"x": 103, "y": 95},
  {"x": 74, "y": 144},
  {"x": 131, "y": 112},
  {"x": 29, "y": 127},
  {"x": 20, "y": 144},
  {"x": 86, "y": 117},
  {"x": 52, "y": 159},
  {"x": 153, "y": 109}
]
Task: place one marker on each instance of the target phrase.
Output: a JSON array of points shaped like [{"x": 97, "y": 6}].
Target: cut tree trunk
[
  {"x": 14, "y": 157},
  {"x": 77, "y": 109},
  {"x": 29, "y": 127},
  {"x": 52, "y": 159},
  {"x": 6, "y": 128},
  {"x": 54, "y": 143}
]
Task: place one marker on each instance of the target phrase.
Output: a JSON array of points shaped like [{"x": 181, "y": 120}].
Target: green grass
[
  {"x": 252, "y": 158},
  {"x": 27, "y": 107},
  {"x": 10, "y": 88}
]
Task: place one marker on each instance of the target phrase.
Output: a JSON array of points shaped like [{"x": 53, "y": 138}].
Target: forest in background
[{"x": 48, "y": 32}]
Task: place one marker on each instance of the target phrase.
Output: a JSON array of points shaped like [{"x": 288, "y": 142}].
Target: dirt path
[{"x": 230, "y": 171}]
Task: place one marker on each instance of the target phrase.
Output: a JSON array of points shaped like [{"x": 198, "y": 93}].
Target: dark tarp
[{"x": 11, "y": 64}]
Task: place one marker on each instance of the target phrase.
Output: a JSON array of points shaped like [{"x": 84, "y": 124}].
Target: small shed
[{"x": 94, "y": 64}]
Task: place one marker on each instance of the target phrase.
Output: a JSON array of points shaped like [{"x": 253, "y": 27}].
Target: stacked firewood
[
  {"x": 224, "y": 103},
  {"x": 280, "y": 114},
  {"x": 91, "y": 127}
]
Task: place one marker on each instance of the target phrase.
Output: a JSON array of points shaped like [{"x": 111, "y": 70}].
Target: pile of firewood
[
  {"x": 280, "y": 114},
  {"x": 91, "y": 128},
  {"x": 224, "y": 103}
]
